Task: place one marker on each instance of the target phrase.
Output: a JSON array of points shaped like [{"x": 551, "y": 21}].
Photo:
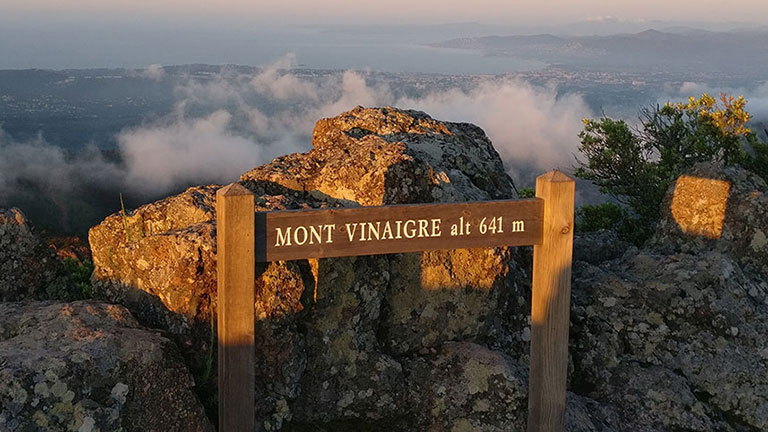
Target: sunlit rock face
[
  {"x": 331, "y": 334},
  {"x": 29, "y": 269},
  {"x": 389, "y": 156},
  {"x": 87, "y": 366},
  {"x": 717, "y": 208}
]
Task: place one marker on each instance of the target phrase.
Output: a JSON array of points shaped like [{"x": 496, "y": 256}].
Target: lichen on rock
[
  {"x": 88, "y": 366},
  {"x": 330, "y": 333},
  {"x": 29, "y": 269}
]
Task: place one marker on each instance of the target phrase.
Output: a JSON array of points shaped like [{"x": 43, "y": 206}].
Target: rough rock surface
[
  {"x": 466, "y": 387},
  {"x": 598, "y": 246},
  {"x": 332, "y": 336},
  {"x": 29, "y": 269},
  {"x": 87, "y": 366},
  {"x": 732, "y": 219},
  {"x": 390, "y": 156},
  {"x": 668, "y": 337},
  {"x": 674, "y": 335}
]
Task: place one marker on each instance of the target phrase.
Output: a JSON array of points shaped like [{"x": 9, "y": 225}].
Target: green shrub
[
  {"x": 757, "y": 160},
  {"x": 638, "y": 166},
  {"x": 80, "y": 274},
  {"x": 598, "y": 217},
  {"x": 610, "y": 216},
  {"x": 526, "y": 193}
]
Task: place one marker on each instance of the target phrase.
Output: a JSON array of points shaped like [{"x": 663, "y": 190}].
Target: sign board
[
  {"x": 245, "y": 237},
  {"x": 326, "y": 233}
]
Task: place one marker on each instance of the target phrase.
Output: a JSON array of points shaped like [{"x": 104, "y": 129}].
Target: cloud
[
  {"x": 48, "y": 166},
  {"x": 154, "y": 72},
  {"x": 531, "y": 127},
  {"x": 692, "y": 88},
  {"x": 47, "y": 183},
  {"x": 187, "y": 151},
  {"x": 224, "y": 124}
]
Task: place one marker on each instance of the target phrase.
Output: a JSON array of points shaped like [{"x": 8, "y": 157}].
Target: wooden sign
[
  {"x": 244, "y": 238},
  {"x": 300, "y": 234}
]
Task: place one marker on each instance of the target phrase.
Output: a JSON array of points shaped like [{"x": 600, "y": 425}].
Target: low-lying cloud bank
[{"x": 225, "y": 124}]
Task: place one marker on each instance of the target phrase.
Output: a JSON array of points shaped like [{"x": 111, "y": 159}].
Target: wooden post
[
  {"x": 550, "y": 306},
  {"x": 236, "y": 274}
]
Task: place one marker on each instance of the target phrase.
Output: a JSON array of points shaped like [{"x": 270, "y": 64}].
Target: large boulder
[
  {"x": 391, "y": 156},
  {"x": 713, "y": 207},
  {"x": 159, "y": 261},
  {"x": 331, "y": 334},
  {"x": 466, "y": 387},
  {"x": 676, "y": 341},
  {"x": 87, "y": 366},
  {"x": 673, "y": 336},
  {"x": 29, "y": 269}
]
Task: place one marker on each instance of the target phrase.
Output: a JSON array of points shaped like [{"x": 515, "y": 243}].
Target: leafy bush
[
  {"x": 757, "y": 162},
  {"x": 80, "y": 274},
  {"x": 606, "y": 216},
  {"x": 638, "y": 166},
  {"x": 598, "y": 217},
  {"x": 525, "y": 193}
]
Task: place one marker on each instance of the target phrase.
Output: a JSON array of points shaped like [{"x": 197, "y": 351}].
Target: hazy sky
[
  {"x": 491, "y": 11},
  {"x": 62, "y": 34}
]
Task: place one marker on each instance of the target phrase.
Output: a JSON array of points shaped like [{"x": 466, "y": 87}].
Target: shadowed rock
[
  {"x": 88, "y": 366},
  {"x": 29, "y": 269},
  {"x": 673, "y": 335}
]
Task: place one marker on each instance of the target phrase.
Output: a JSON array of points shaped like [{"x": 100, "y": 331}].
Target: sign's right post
[{"x": 550, "y": 304}]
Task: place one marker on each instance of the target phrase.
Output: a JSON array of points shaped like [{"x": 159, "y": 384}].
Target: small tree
[{"x": 638, "y": 166}]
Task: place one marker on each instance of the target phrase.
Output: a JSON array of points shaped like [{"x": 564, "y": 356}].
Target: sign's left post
[{"x": 236, "y": 274}]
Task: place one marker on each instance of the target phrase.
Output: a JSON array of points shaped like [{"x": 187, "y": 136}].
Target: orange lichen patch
[
  {"x": 86, "y": 334},
  {"x": 314, "y": 266},
  {"x": 66, "y": 311},
  {"x": 699, "y": 204},
  {"x": 117, "y": 313}
]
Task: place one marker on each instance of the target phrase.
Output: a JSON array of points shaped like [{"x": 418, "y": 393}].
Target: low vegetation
[
  {"x": 637, "y": 165},
  {"x": 80, "y": 274}
]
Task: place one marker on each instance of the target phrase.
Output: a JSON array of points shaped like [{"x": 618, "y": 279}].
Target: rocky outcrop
[
  {"x": 160, "y": 262},
  {"x": 467, "y": 387},
  {"x": 673, "y": 335},
  {"x": 717, "y": 208},
  {"x": 390, "y": 156},
  {"x": 29, "y": 269},
  {"x": 87, "y": 366},
  {"x": 598, "y": 246},
  {"x": 666, "y": 337},
  {"x": 332, "y": 335}
]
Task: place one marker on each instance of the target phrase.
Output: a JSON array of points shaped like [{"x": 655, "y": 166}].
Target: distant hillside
[{"x": 744, "y": 52}]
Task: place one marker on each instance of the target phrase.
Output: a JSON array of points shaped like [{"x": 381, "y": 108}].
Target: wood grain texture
[
  {"x": 236, "y": 275},
  {"x": 550, "y": 306},
  {"x": 269, "y": 225}
]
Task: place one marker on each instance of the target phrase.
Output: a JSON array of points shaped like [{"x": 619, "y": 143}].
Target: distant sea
[
  {"x": 383, "y": 53},
  {"x": 315, "y": 48}
]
